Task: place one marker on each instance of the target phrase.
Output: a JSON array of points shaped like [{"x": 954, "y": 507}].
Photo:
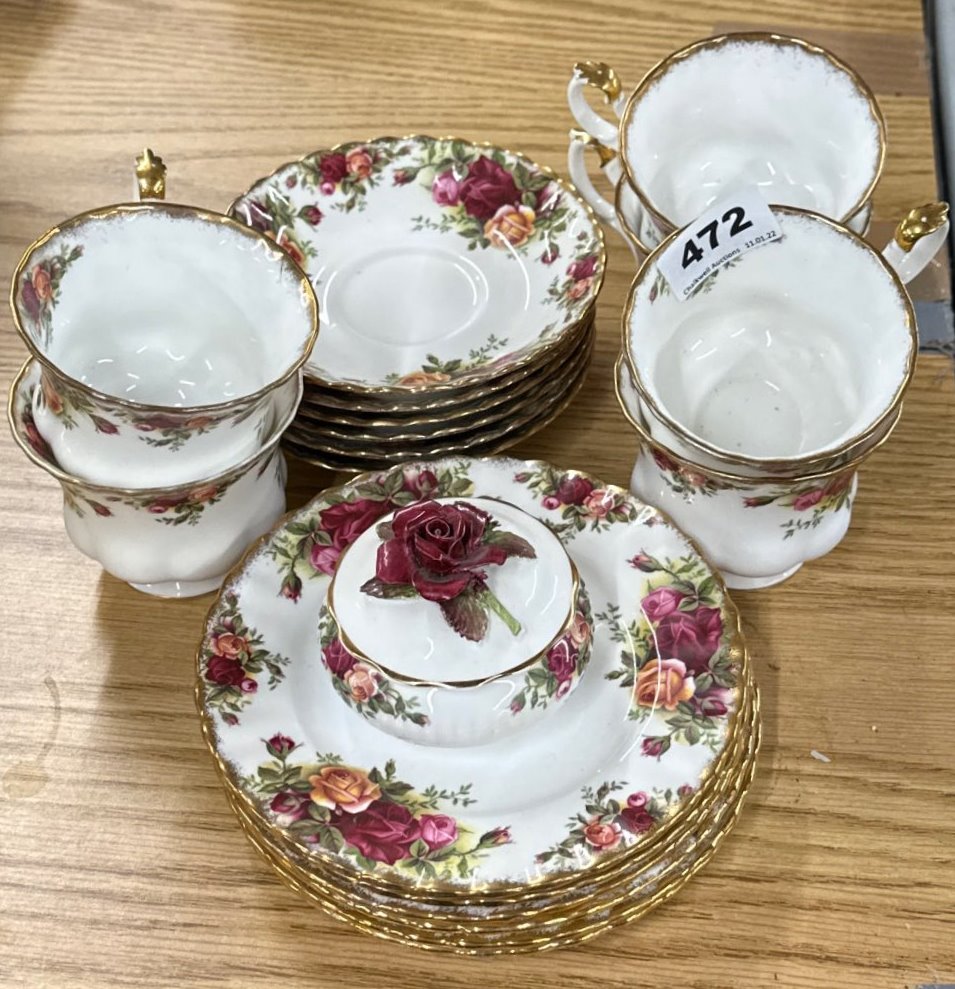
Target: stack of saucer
[
  {"x": 159, "y": 405},
  {"x": 458, "y": 284},
  {"x": 402, "y": 787}
]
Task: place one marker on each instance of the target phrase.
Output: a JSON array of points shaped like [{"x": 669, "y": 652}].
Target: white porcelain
[
  {"x": 162, "y": 332},
  {"x": 452, "y": 691},
  {"x": 174, "y": 541},
  {"x": 733, "y": 111},
  {"x": 616, "y": 767},
  {"x": 794, "y": 353},
  {"x": 438, "y": 261},
  {"x": 757, "y": 530}
]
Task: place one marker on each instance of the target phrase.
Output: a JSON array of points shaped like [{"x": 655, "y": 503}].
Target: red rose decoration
[
  {"x": 312, "y": 215},
  {"x": 808, "y": 499},
  {"x": 290, "y": 805},
  {"x": 337, "y": 658},
  {"x": 281, "y": 744},
  {"x": 583, "y": 268},
  {"x": 225, "y": 671},
  {"x": 422, "y": 483},
  {"x": 104, "y": 425},
  {"x": 438, "y": 830},
  {"x": 690, "y": 636},
  {"x": 574, "y": 490},
  {"x": 635, "y": 819},
  {"x": 653, "y": 747},
  {"x": 562, "y": 660},
  {"x": 333, "y": 168},
  {"x": 662, "y": 602},
  {"x": 438, "y": 549},
  {"x": 486, "y": 188},
  {"x": 383, "y": 833},
  {"x": 30, "y": 300},
  {"x": 346, "y": 521}
]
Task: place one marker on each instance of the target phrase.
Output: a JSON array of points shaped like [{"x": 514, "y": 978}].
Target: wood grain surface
[{"x": 120, "y": 863}]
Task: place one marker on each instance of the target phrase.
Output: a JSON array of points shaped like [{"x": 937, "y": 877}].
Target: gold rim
[
  {"x": 464, "y": 911},
  {"x": 531, "y": 353},
  {"x": 501, "y": 406},
  {"x": 780, "y": 463},
  {"x": 480, "y": 447},
  {"x": 740, "y": 482},
  {"x": 735, "y": 641},
  {"x": 781, "y": 40},
  {"x": 438, "y": 933},
  {"x": 54, "y": 470},
  {"x": 177, "y": 211},
  {"x": 399, "y": 446}
]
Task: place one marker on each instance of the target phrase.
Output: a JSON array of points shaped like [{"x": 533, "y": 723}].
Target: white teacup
[
  {"x": 176, "y": 540},
  {"x": 162, "y": 332},
  {"x": 792, "y": 357},
  {"x": 734, "y": 111},
  {"x": 759, "y": 530}
]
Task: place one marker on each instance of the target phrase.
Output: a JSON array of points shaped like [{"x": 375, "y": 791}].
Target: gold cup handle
[
  {"x": 917, "y": 239},
  {"x": 150, "y": 176},
  {"x": 596, "y": 75}
]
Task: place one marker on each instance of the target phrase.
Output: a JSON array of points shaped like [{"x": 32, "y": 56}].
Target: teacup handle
[
  {"x": 150, "y": 176},
  {"x": 601, "y": 76},
  {"x": 917, "y": 238}
]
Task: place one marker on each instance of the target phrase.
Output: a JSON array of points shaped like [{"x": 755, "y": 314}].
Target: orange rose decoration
[
  {"x": 423, "y": 378},
  {"x": 579, "y": 630},
  {"x": 663, "y": 682},
  {"x": 602, "y": 836},
  {"x": 228, "y": 644},
  {"x": 51, "y": 396},
  {"x": 42, "y": 284},
  {"x": 362, "y": 683},
  {"x": 292, "y": 249},
  {"x": 348, "y": 789},
  {"x": 201, "y": 495},
  {"x": 510, "y": 225},
  {"x": 359, "y": 163}
]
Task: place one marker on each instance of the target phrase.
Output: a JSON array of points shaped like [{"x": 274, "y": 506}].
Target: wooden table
[{"x": 120, "y": 864}]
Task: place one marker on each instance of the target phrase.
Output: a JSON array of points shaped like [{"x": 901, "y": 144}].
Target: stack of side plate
[
  {"x": 585, "y": 822},
  {"x": 457, "y": 285}
]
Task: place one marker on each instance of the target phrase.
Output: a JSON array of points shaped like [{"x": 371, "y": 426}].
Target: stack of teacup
[
  {"x": 757, "y": 397},
  {"x": 166, "y": 347}
]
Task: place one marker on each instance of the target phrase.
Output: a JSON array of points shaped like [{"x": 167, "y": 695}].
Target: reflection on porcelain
[
  {"x": 329, "y": 783},
  {"x": 175, "y": 540},
  {"x": 757, "y": 530},
  {"x": 438, "y": 261},
  {"x": 162, "y": 332},
  {"x": 740, "y": 110},
  {"x": 394, "y": 657},
  {"x": 790, "y": 355}
]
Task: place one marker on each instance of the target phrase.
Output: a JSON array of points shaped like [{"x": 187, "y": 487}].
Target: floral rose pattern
[
  {"x": 491, "y": 201},
  {"x": 313, "y": 545},
  {"x": 673, "y": 659},
  {"x": 578, "y": 280},
  {"x": 40, "y": 290},
  {"x": 435, "y": 370},
  {"x": 371, "y": 816},
  {"x": 815, "y": 500},
  {"x": 233, "y": 661},
  {"x": 685, "y": 481},
  {"x": 608, "y": 823},
  {"x": 557, "y": 672},
  {"x": 578, "y": 501},
  {"x": 362, "y": 687}
]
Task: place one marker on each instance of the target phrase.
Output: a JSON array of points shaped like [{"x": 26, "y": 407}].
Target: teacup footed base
[
  {"x": 738, "y": 582},
  {"x": 180, "y": 588}
]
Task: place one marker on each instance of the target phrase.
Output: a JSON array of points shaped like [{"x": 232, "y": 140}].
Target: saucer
[
  {"x": 439, "y": 262},
  {"x": 638, "y": 738}
]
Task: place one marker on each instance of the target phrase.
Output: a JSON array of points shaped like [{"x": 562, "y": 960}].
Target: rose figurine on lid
[{"x": 454, "y": 622}]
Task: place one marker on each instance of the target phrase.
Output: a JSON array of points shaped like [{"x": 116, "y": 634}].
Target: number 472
[{"x": 735, "y": 216}]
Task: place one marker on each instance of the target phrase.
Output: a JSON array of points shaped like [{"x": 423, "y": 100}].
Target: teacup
[
  {"x": 758, "y": 530},
  {"x": 414, "y": 666},
  {"x": 172, "y": 541},
  {"x": 162, "y": 332},
  {"x": 733, "y": 111},
  {"x": 792, "y": 358}
]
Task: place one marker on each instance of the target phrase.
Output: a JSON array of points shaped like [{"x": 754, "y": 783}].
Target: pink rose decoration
[
  {"x": 324, "y": 558},
  {"x": 600, "y": 836},
  {"x": 438, "y": 830},
  {"x": 598, "y": 503},
  {"x": 290, "y": 806},
  {"x": 662, "y": 602},
  {"x": 248, "y": 686},
  {"x": 808, "y": 499},
  {"x": 446, "y": 190},
  {"x": 362, "y": 683},
  {"x": 550, "y": 502}
]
